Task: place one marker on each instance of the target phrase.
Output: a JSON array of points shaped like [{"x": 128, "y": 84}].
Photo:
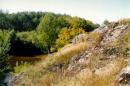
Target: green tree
[
  {"x": 5, "y": 39},
  {"x": 48, "y": 30},
  {"x": 106, "y": 22}
]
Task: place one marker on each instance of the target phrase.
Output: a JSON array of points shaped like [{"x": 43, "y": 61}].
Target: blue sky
[{"x": 94, "y": 10}]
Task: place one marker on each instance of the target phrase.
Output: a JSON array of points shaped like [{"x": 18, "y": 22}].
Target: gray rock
[
  {"x": 56, "y": 67},
  {"x": 79, "y": 38},
  {"x": 112, "y": 33},
  {"x": 17, "y": 78},
  {"x": 123, "y": 79}
]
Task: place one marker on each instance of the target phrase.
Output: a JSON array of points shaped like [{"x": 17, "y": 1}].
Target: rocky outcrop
[
  {"x": 78, "y": 62},
  {"x": 123, "y": 79},
  {"x": 109, "y": 34}
]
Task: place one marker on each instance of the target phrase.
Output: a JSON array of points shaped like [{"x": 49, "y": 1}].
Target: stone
[
  {"x": 123, "y": 79},
  {"x": 79, "y": 38}
]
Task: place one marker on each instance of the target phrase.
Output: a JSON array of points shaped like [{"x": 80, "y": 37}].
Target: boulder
[
  {"x": 123, "y": 79},
  {"x": 79, "y": 38}
]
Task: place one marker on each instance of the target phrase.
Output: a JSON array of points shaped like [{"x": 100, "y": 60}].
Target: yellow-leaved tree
[{"x": 66, "y": 34}]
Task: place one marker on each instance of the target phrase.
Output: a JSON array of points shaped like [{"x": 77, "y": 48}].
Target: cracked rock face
[{"x": 111, "y": 34}]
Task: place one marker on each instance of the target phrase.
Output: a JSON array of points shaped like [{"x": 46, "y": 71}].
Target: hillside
[{"x": 97, "y": 58}]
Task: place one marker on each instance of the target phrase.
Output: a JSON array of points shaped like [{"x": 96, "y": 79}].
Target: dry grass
[
  {"x": 66, "y": 54},
  {"x": 39, "y": 71},
  {"x": 102, "y": 77},
  {"x": 38, "y": 75},
  {"x": 124, "y": 21}
]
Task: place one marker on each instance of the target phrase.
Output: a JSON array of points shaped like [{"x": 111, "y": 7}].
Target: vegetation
[
  {"x": 22, "y": 21},
  {"x": 124, "y": 21},
  {"x": 48, "y": 30},
  {"x": 41, "y": 29},
  {"x": 5, "y": 38},
  {"x": 28, "y": 21},
  {"x": 106, "y": 22},
  {"x": 66, "y": 34},
  {"x": 20, "y": 67},
  {"x": 34, "y": 33}
]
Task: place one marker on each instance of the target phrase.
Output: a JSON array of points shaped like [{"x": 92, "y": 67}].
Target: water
[{"x": 6, "y": 79}]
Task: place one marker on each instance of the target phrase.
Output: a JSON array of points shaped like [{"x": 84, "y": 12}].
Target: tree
[
  {"x": 5, "y": 38},
  {"x": 66, "y": 34},
  {"x": 106, "y": 22},
  {"x": 21, "y": 21},
  {"x": 48, "y": 30}
]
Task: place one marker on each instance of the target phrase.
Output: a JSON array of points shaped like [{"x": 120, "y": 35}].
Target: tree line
[{"x": 27, "y": 21}]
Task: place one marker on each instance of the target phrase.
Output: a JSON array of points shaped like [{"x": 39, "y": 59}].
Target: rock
[
  {"x": 17, "y": 78},
  {"x": 110, "y": 34},
  {"x": 113, "y": 33},
  {"x": 123, "y": 79},
  {"x": 78, "y": 62},
  {"x": 79, "y": 38},
  {"x": 56, "y": 67},
  {"x": 102, "y": 29}
]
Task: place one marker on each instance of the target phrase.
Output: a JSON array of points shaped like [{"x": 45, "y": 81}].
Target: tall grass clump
[{"x": 20, "y": 67}]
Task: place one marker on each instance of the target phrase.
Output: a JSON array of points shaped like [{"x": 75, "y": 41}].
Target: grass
[
  {"x": 19, "y": 64},
  {"x": 101, "y": 77},
  {"x": 34, "y": 73},
  {"x": 105, "y": 77},
  {"x": 15, "y": 59},
  {"x": 38, "y": 76},
  {"x": 65, "y": 55},
  {"x": 97, "y": 72}
]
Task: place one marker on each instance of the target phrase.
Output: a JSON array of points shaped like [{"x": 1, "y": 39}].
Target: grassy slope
[{"x": 39, "y": 75}]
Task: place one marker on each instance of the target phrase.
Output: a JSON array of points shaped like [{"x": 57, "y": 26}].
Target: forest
[{"x": 30, "y": 34}]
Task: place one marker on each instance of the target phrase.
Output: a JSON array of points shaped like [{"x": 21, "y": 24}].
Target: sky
[{"x": 94, "y": 10}]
